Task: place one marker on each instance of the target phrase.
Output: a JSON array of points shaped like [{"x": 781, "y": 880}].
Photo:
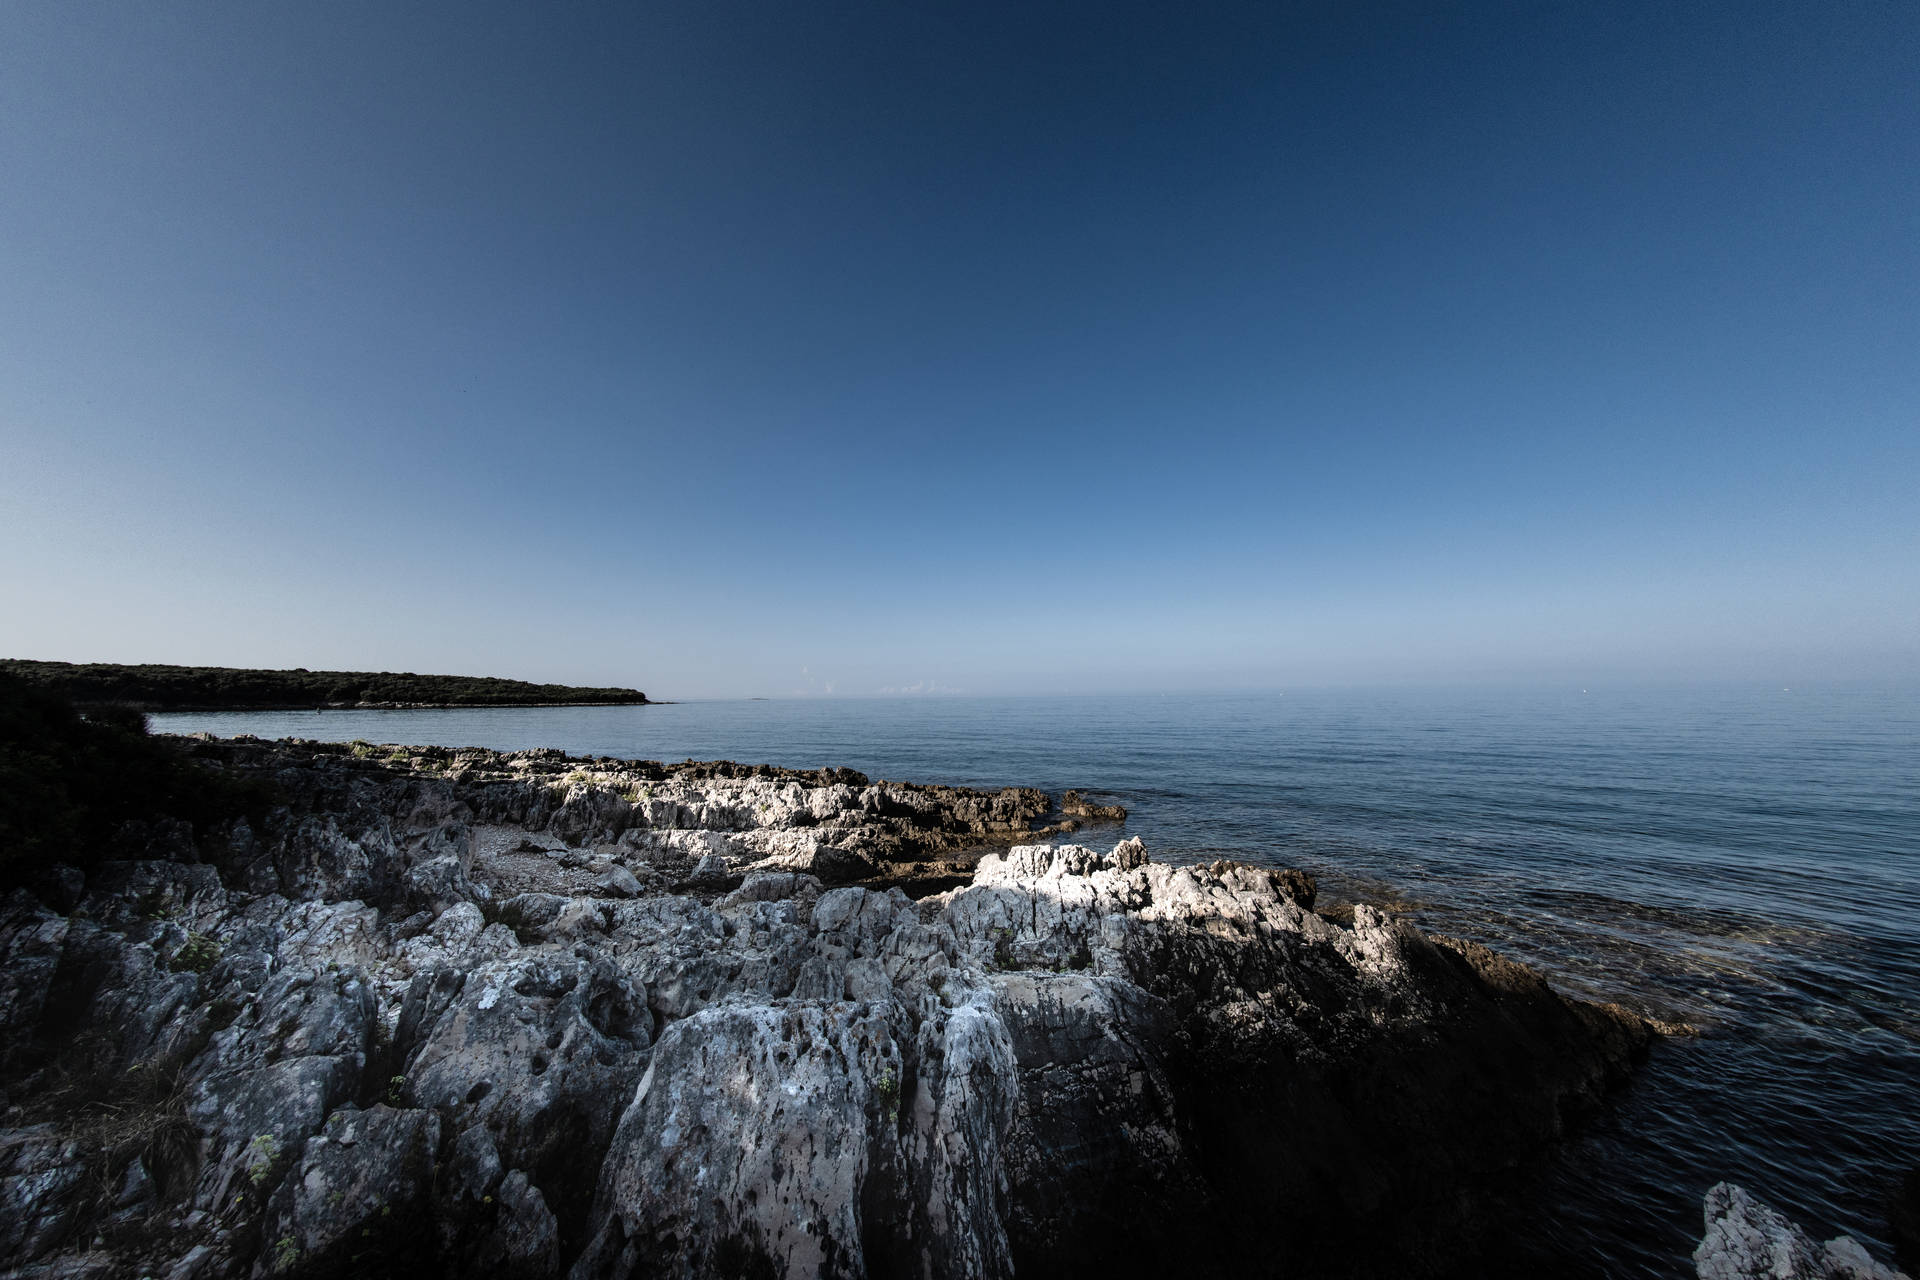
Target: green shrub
[
  {"x": 197, "y": 954},
  {"x": 263, "y": 1153},
  {"x": 285, "y": 1253}
]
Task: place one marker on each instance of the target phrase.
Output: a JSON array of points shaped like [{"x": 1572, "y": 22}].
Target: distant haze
[{"x": 725, "y": 350}]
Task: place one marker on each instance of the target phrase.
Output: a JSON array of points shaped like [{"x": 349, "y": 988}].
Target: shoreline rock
[
  {"x": 1747, "y": 1239},
  {"x": 591, "y": 1018}
]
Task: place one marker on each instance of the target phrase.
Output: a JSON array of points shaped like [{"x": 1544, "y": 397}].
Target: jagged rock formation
[
  {"x": 833, "y": 823},
  {"x": 416, "y": 1024},
  {"x": 1748, "y": 1240}
]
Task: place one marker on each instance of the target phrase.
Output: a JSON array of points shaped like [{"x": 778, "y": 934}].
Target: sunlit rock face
[
  {"x": 416, "y": 1022},
  {"x": 1748, "y": 1240}
]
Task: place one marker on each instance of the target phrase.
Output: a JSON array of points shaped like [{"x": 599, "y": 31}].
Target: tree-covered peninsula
[{"x": 153, "y": 687}]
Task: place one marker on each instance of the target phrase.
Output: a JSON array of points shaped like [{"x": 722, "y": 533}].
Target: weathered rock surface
[
  {"x": 481, "y": 1014},
  {"x": 356, "y": 1194},
  {"x": 1748, "y": 1240},
  {"x": 1077, "y": 805}
]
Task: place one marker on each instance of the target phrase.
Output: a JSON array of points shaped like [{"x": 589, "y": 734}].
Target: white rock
[{"x": 1748, "y": 1240}]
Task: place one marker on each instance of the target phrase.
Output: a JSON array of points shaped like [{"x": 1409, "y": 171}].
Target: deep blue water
[{"x": 1745, "y": 860}]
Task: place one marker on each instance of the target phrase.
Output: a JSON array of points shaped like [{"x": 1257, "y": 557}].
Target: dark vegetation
[
  {"x": 70, "y": 780},
  {"x": 152, "y": 687}
]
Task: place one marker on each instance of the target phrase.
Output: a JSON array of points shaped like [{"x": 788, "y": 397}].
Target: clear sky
[{"x": 735, "y": 349}]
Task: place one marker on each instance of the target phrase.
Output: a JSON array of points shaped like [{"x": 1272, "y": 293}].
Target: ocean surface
[{"x": 1744, "y": 860}]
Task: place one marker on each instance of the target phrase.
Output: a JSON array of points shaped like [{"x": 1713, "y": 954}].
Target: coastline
[
  {"x": 161, "y": 687},
  {"x": 1092, "y": 1030},
  {"x": 214, "y": 709},
  {"x": 1671, "y": 852}
]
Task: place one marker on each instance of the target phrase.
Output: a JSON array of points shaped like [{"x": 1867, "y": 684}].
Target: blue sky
[{"x": 729, "y": 349}]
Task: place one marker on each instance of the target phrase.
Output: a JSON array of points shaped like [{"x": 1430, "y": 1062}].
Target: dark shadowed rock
[
  {"x": 32, "y": 942},
  {"x": 353, "y": 1201},
  {"x": 1903, "y": 1218},
  {"x": 42, "y": 1180}
]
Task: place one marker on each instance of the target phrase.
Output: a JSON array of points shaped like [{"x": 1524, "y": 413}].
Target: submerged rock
[
  {"x": 1076, "y": 805},
  {"x": 1748, "y": 1240},
  {"x": 1067, "y": 1063}
]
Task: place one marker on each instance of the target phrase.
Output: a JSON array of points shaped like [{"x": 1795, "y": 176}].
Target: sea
[{"x": 1743, "y": 860}]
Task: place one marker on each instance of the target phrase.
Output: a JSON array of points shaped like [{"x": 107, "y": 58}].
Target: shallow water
[{"x": 1744, "y": 860}]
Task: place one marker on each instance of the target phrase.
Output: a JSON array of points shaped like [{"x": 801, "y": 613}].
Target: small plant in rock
[
  {"x": 1003, "y": 957},
  {"x": 286, "y": 1252},
  {"x": 262, "y": 1154},
  {"x": 396, "y": 1086},
  {"x": 197, "y": 954},
  {"x": 887, "y": 1090}
]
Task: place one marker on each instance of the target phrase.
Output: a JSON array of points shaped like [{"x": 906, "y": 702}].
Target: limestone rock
[
  {"x": 32, "y": 940},
  {"x": 825, "y": 862},
  {"x": 525, "y": 1240},
  {"x": 354, "y": 1196},
  {"x": 41, "y": 1182},
  {"x": 617, "y": 882},
  {"x": 712, "y": 869},
  {"x": 531, "y": 1046},
  {"x": 1068, "y": 1062},
  {"x": 1076, "y": 805},
  {"x": 1748, "y": 1240}
]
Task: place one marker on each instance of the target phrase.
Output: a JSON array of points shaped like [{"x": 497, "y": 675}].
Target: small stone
[
  {"x": 191, "y": 1263},
  {"x": 711, "y": 869},
  {"x": 619, "y": 882}
]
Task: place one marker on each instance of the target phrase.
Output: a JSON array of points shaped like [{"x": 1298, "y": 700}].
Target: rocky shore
[
  {"x": 1748, "y": 1240},
  {"x": 459, "y": 1012}
]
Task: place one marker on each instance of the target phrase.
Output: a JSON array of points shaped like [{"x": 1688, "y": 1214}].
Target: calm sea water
[{"x": 1744, "y": 860}]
